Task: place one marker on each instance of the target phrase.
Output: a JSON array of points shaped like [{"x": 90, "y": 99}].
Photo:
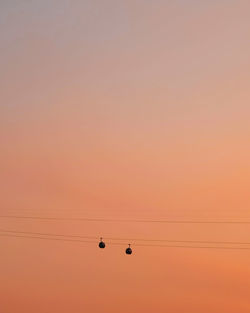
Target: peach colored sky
[{"x": 124, "y": 109}]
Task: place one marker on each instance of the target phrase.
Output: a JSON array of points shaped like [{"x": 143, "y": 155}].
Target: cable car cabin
[
  {"x": 101, "y": 244},
  {"x": 128, "y": 250}
]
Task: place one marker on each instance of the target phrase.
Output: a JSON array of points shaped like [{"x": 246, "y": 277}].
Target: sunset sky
[{"x": 124, "y": 110}]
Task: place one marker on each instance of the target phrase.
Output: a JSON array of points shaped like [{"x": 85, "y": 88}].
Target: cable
[
  {"x": 123, "y": 221},
  {"x": 44, "y": 238},
  {"x": 48, "y": 234},
  {"x": 121, "y": 244},
  {"x": 126, "y": 239}
]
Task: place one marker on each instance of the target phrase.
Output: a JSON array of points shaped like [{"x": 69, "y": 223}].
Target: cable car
[
  {"x": 101, "y": 244},
  {"x": 128, "y": 250}
]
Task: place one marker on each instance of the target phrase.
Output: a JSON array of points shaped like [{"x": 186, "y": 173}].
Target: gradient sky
[{"x": 127, "y": 110}]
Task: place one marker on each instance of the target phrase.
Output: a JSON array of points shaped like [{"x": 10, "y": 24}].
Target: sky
[{"x": 124, "y": 110}]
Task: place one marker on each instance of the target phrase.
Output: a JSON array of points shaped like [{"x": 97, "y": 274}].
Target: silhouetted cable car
[
  {"x": 129, "y": 250},
  {"x": 101, "y": 244}
]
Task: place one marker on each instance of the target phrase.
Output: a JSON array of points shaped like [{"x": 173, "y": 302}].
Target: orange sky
[{"x": 127, "y": 110}]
